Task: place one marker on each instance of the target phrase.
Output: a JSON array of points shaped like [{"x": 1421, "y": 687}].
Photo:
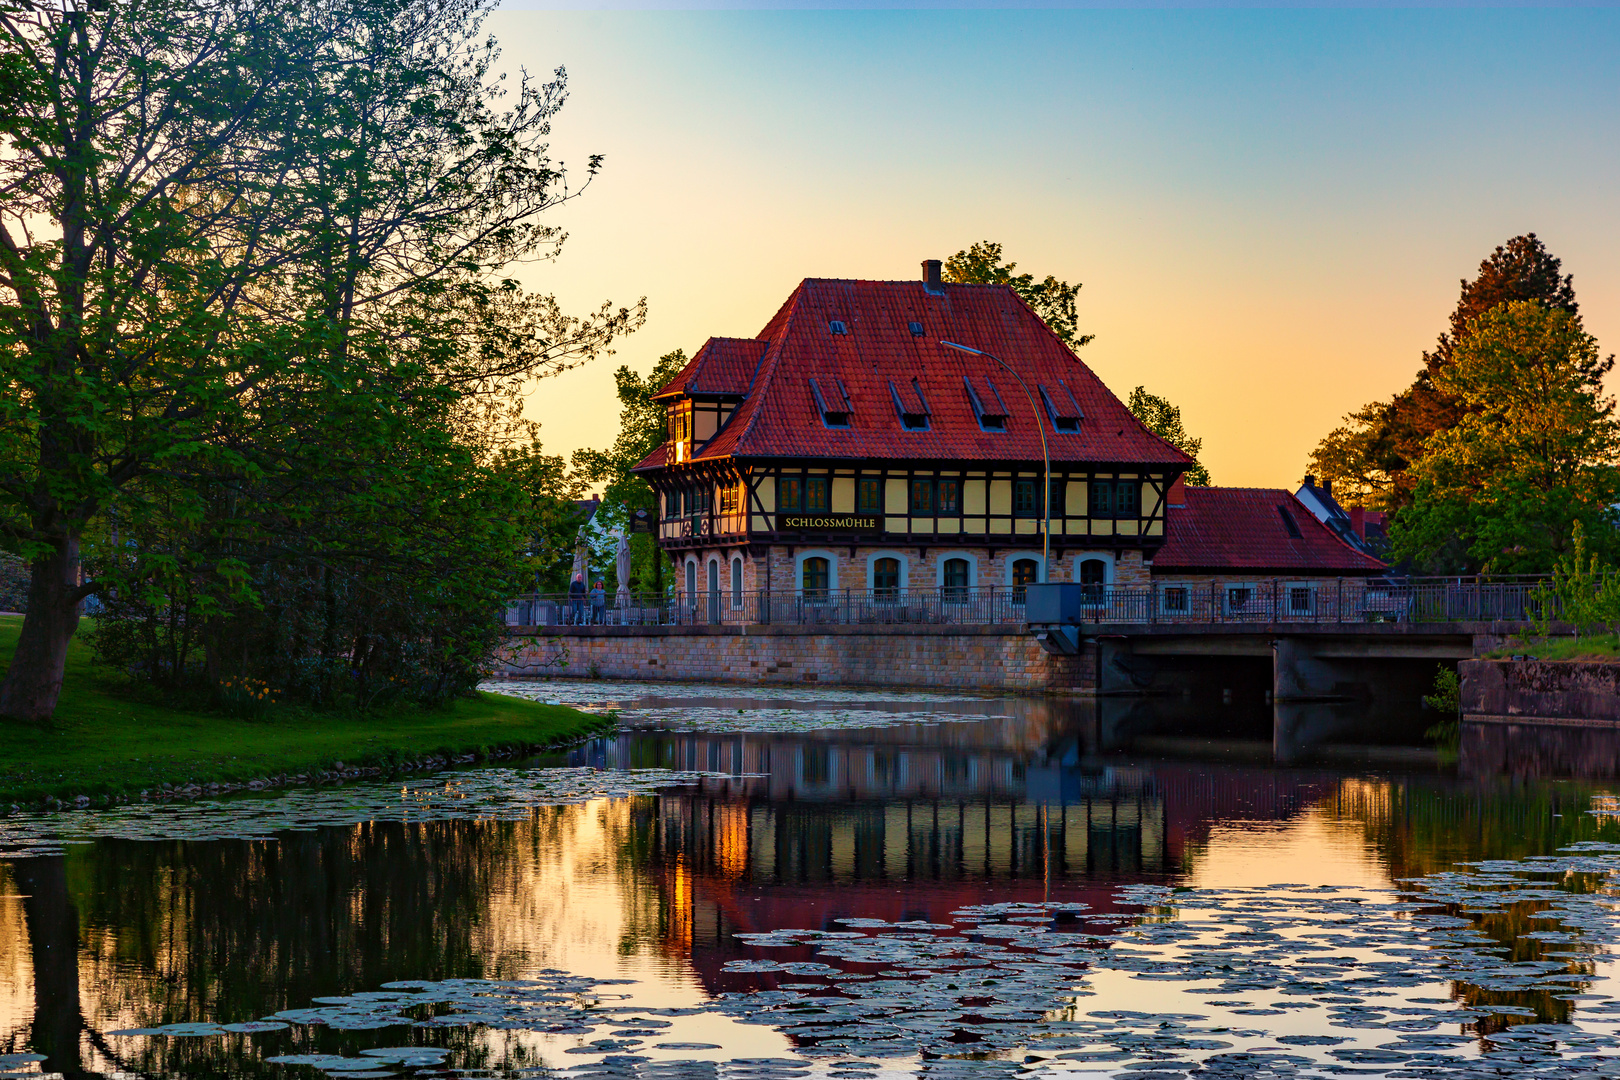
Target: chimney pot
[
  {"x": 931, "y": 276},
  {"x": 1310, "y": 480},
  {"x": 1327, "y": 487}
]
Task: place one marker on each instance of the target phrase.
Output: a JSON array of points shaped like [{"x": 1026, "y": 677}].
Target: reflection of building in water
[{"x": 810, "y": 829}]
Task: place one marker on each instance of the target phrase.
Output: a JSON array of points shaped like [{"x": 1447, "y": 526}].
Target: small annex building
[
  {"x": 848, "y": 447},
  {"x": 1233, "y": 550}
]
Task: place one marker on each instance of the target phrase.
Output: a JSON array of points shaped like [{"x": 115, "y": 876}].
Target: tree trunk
[{"x": 34, "y": 681}]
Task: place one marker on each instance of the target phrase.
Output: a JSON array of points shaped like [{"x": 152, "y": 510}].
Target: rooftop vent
[
  {"x": 916, "y": 329},
  {"x": 1289, "y": 523},
  {"x": 837, "y": 326},
  {"x": 1062, "y": 408}
]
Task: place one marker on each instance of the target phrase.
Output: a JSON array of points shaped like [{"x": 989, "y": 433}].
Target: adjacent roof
[
  {"x": 722, "y": 366},
  {"x": 1246, "y": 530},
  {"x": 1320, "y": 501},
  {"x": 878, "y": 350}
]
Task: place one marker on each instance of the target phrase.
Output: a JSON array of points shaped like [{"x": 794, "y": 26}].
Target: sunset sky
[{"x": 1270, "y": 210}]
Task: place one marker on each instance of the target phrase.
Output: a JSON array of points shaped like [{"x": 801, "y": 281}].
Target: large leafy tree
[
  {"x": 1534, "y": 451},
  {"x": 1053, "y": 300},
  {"x": 1371, "y": 456},
  {"x": 210, "y": 212},
  {"x": 1164, "y": 420}
]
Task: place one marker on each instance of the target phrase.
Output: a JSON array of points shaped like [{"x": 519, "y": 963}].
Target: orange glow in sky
[{"x": 1270, "y": 210}]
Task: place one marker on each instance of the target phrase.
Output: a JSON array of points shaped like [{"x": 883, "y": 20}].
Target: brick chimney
[
  {"x": 931, "y": 278},
  {"x": 1358, "y": 521},
  {"x": 1310, "y": 481}
]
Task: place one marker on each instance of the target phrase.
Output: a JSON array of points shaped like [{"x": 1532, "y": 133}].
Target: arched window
[
  {"x": 691, "y": 580},
  {"x": 1093, "y": 578},
  {"x": 816, "y": 575},
  {"x": 1025, "y": 572},
  {"x": 714, "y": 590},
  {"x": 736, "y": 583},
  {"x": 886, "y": 579},
  {"x": 955, "y": 579}
]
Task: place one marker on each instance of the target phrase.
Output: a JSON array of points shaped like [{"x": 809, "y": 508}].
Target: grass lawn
[
  {"x": 1595, "y": 647},
  {"x": 105, "y": 740}
]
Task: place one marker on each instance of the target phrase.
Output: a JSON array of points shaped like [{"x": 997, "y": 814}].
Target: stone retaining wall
[
  {"x": 946, "y": 657},
  {"x": 1540, "y": 691}
]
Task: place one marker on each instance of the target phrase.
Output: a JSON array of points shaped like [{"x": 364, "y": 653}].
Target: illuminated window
[
  {"x": 922, "y": 496},
  {"x": 1024, "y": 572},
  {"x": 815, "y": 494},
  {"x": 869, "y": 497},
  {"x": 950, "y": 496},
  {"x": 790, "y": 493}
]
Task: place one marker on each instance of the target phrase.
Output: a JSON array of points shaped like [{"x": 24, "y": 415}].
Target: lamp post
[{"x": 1046, "y": 457}]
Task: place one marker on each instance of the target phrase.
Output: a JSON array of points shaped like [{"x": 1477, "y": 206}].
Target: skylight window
[
  {"x": 834, "y": 405},
  {"x": 913, "y": 408},
  {"x": 916, "y": 329},
  {"x": 1289, "y": 523},
  {"x": 988, "y": 407},
  {"x": 838, "y": 326},
  {"x": 1062, "y": 408}
]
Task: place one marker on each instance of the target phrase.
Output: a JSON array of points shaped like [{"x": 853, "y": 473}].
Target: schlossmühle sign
[{"x": 830, "y": 522}]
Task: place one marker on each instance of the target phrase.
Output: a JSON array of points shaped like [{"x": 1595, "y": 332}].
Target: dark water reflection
[{"x": 1044, "y": 802}]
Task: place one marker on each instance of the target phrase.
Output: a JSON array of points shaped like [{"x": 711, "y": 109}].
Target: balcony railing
[{"x": 1279, "y": 600}]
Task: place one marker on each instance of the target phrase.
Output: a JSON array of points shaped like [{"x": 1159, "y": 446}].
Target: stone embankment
[
  {"x": 1559, "y": 692},
  {"x": 1540, "y": 718},
  {"x": 931, "y": 657}
]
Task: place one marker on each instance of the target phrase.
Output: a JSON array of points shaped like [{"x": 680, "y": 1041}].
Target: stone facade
[{"x": 933, "y": 657}]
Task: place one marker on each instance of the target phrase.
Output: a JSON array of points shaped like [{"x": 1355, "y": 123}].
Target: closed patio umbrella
[{"x": 622, "y": 597}]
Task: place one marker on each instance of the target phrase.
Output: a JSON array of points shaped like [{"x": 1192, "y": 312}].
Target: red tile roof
[
  {"x": 722, "y": 366},
  {"x": 780, "y": 417},
  {"x": 1245, "y": 530}
]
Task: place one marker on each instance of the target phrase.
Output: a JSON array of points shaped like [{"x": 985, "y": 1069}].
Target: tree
[
  {"x": 643, "y": 428},
  {"x": 1164, "y": 420},
  {"x": 1369, "y": 458},
  {"x": 1535, "y": 450},
  {"x": 1051, "y": 299},
  {"x": 210, "y": 209}
]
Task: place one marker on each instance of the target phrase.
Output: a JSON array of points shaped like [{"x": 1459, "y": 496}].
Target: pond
[{"x": 832, "y": 883}]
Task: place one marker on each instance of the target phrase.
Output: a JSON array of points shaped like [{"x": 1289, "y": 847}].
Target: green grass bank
[{"x": 108, "y": 742}]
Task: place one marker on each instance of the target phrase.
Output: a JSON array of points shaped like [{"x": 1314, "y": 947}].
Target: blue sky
[{"x": 1270, "y": 210}]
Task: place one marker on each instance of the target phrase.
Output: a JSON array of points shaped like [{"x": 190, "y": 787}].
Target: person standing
[
  {"x": 576, "y": 600},
  {"x": 598, "y": 604}
]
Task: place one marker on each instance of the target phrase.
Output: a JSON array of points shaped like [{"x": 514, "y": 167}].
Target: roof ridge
[{"x": 764, "y": 373}]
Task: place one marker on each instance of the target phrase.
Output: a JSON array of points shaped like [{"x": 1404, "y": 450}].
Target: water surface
[{"x": 834, "y": 883}]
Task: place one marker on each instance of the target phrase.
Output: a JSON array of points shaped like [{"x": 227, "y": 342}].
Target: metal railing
[{"x": 1218, "y": 601}]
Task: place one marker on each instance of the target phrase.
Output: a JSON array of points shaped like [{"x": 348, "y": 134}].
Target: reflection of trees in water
[
  {"x": 146, "y": 933},
  {"x": 1423, "y": 829}
]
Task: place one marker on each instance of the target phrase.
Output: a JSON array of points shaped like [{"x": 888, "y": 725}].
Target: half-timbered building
[{"x": 850, "y": 446}]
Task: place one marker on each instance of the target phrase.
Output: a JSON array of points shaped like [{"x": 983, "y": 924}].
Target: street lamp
[{"x": 1046, "y": 457}]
